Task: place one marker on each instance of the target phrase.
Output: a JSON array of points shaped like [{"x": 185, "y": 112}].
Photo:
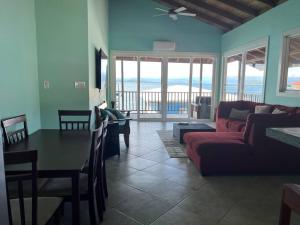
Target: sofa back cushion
[
  {"x": 287, "y": 109},
  {"x": 237, "y": 114},
  {"x": 262, "y": 109},
  {"x": 255, "y": 131}
]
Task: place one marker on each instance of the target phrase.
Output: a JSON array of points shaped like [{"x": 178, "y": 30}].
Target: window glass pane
[
  {"x": 150, "y": 87},
  {"x": 254, "y": 75},
  {"x": 293, "y": 70},
  {"x": 178, "y": 87},
  {"x": 233, "y": 67}
]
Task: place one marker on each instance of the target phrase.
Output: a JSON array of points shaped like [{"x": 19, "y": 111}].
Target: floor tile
[
  {"x": 144, "y": 209},
  {"x": 169, "y": 191},
  {"x": 178, "y": 216},
  {"x": 157, "y": 156},
  {"x": 114, "y": 217},
  {"x": 138, "y": 163},
  {"x": 164, "y": 171},
  {"x": 141, "y": 180}
]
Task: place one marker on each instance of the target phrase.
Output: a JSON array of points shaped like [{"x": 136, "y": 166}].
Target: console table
[{"x": 289, "y": 135}]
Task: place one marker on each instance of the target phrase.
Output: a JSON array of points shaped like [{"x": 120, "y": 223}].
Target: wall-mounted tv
[{"x": 101, "y": 68}]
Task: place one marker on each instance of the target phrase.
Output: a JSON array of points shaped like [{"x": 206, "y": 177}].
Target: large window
[
  {"x": 244, "y": 75},
  {"x": 290, "y": 71},
  {"x": 164, "y": 86}
]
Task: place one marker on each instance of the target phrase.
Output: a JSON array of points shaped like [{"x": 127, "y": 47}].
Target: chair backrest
[
  {"x": 12, "y": 133},
  {"x": 94, "y": 157},
  {"x": 74, "y": 124},
  {"x": 98, "y": 108},
  {"x": 23, "y": 157},
  {"x": 104, "y": 132}
]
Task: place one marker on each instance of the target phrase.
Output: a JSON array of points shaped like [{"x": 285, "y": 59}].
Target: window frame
[
  {"x": 243, "y": 50},
  {"x": 283, "y": 65}
]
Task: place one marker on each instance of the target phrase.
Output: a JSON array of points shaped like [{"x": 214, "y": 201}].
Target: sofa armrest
[{"x": 255, "y": 131}]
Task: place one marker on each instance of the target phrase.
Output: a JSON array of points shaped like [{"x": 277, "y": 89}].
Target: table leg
[{"x": 75, "y": 200}]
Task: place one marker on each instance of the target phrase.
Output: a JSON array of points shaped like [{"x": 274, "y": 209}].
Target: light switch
[
  {"x": 46, "y": 84},
  {"x": 79, "y": 84}
]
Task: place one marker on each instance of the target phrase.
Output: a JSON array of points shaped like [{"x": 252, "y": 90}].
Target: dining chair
[
  {"x": 31, "y": 210},
  {"x": 62, "y": 187},
  {"x": 14, "y": 129},
  {"x": 74, "y": 123},
  {"x": 101, "y": 187},
  {"x": 290, "y": 202}
]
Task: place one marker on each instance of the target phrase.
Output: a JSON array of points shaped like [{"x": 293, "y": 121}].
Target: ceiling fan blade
[
  {"x": 160, "y": 15},
  {"x": 187, "y": 14},
  {"x": 173, "y": 17},
  {"x": 163, "y": 10},
  {"x": 180, "y": 9}
]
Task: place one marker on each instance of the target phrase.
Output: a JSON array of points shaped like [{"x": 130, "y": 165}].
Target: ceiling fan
[{"x": 174, "y": 13}]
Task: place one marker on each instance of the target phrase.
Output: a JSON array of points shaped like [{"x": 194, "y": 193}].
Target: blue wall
[
  {"x": 19, "y": 93},
  {"x": 132, "y": 28},
  {"x": 272, "y": 24}
]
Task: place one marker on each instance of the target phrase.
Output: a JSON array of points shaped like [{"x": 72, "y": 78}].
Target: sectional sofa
[{"x": 241, "y": 146}]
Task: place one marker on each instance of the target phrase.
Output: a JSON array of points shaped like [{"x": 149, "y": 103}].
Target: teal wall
[
  {"x": 271, "y": 24},
  {"x": 62, "y": 40},
  {"x": 97, "y": 38},
  {"x": 19, "y": 92},
  {"x": 132, "y": 28}
]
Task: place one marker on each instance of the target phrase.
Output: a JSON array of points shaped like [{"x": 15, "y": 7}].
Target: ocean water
[{"x": 253, "y": 85}]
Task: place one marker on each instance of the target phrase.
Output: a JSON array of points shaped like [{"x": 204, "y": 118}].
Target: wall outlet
[
  {"x": 46, "y": 84},
  {"x": 79, "y": 84}
]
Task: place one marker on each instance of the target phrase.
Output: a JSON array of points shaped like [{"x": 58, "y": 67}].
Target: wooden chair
[
  {"x": 101, "y": 187},
  {"x": 124, "y": 124},
  {"x": 18, "y": 134},
  {"x": 65, "y": 124},
  {"x": 32, "y": 210},
  {"x": 62, "y": 187},
  {"x": 290, "y": 202}
]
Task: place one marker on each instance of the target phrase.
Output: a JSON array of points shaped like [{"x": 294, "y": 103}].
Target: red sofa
[{"x": 242, "y": 146}]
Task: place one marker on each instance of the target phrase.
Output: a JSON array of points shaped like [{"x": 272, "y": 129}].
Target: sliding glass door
[
  {"x": 150, "y": 88},
  {"x": 178, "y": 88},
  {"x": 164, "y": 87}
]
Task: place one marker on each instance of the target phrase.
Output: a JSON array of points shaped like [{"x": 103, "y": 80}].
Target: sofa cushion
[
  {"x": 237, "y": 114},
  {"x": 278, "y": 111},
  {"x": 263, "y": 109},
  {"x": 287, "y": 109},
  {"x": 211, "y": 137},
  {"x": 235, "y": 125}
]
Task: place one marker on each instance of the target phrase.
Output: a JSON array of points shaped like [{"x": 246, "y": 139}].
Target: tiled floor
[{"x": 148, "y": 187}]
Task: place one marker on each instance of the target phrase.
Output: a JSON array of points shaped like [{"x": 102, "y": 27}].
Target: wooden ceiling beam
[
  {"x": 240, "y": 6},
  {"x": 270, "y": 3},
  {"x": 209, "y": 19},
  {"x": 213, "y": 9}
]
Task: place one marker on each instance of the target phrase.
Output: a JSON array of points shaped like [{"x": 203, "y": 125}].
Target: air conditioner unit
[{"x": 164, "y": 46}]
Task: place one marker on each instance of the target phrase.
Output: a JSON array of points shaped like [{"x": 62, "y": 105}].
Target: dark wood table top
[{"x": 57, "y": 150}]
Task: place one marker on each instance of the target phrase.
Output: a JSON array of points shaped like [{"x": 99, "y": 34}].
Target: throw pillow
[
  {"x": 103, "y": 114},
  {"x": 259, "y": 109},
  {"x": 110, "y": 115},
  {"x": 117, "y": 113},
  {"x": 238, "y": 114},
  {"x": 278, "y": 111}
]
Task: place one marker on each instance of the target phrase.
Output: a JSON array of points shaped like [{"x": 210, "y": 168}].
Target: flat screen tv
[{"x": 101, "y": 68}]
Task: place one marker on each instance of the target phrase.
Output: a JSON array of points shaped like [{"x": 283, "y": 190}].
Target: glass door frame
[
  {"x": 264, "y": 42},
  {"x": 164, "y": 78}
]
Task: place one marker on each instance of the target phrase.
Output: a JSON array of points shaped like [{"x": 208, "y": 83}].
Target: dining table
[{"x": 61, "y": 154}]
